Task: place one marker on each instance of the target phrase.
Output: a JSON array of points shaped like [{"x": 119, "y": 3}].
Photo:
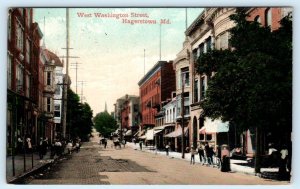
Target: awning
[
  {"x": 216, "y": 126},
  {"x": 128, "y": 133},
  {"x": 157, "y": 131},
  {"x": 177, "y": 132},
  {"x": 163, "y": 126},
  {"x": 149, "y": 134}
]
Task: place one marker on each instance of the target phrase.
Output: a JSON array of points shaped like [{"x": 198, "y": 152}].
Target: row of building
[
  {"x": 155, "y": 116},
  {"x": 34, "y": 82}
]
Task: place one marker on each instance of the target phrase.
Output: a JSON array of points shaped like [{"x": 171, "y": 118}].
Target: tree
[
  {"x": 105, "y": 123},
  {"x": 252, "y": 87},
  {"x": 79, "y": 117}
]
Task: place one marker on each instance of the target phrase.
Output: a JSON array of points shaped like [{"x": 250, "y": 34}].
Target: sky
[{"x": 110, "y": 50}]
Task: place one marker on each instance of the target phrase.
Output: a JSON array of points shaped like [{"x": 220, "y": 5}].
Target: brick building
[
  {"x": 22, "y": 75},
  {"x": 155, "y": 87}
]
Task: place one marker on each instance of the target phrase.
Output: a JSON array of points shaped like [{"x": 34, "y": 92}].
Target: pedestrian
[
  {"x": 52, "y": 151},
  {"x": 208, "y": 153},
  {"x": 201, "y": 153},
  {"x": 283, "y": 162},
  {"x": 124, "y": 142},
  {"x": 45, "y": 146},
  {"x": 167, "y": 149},
  {"x": 141, "y": 145},
  {"x": 77, "y": 146},
  {"x": 218, "y": 156},
  {"x": 40, "y": 148},
  {"x": 105, "y": 143},
  {"x": 69, "y": 147},
  {"x": 58, "y": 147},
  {"x": 29, "y": 145},
  {"x": 193, "y": 152}
]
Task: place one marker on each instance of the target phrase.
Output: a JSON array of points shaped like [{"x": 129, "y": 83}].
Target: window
[
  {"x": 201, "y": 49},
  {"x": 57, "y": 107},
  {"x": 135, "y": 107},
  {"x": 268, "y": 17},
  {"x": 186, "y": 76},
  {"x": 48, "y": 78},
  {"x": 57, "y": 90},
  {"x": 195, "y": 54},
  {"x": 28, "y": 82},
  {"x": 19, "y": 77},
  {"x": 196, "y": 99},
  {"x": 9, "y": 70},
  {"x": 9, "y": 26},
  {"x": 173, "y": 115},
  {"x": 186, "y": 104},
  {"x": 203, "y": 88},
  {"x": 57, "y": 110},
  {"x": 257, "y": 19},
  {"x": 20, "y": 36},
  {"x": 27, "y": 51},
  {"x": 208, "y": 44},
  {"x": 208, "y": 136},
  {"x": 48, "y": 104}
]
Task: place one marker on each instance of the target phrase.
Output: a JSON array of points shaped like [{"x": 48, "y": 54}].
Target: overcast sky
[{"x": 112, "y": 52}]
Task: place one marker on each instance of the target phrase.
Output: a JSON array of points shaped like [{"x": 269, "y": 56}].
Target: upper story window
[
  {"x": 20, "y": 36},
  {"x": 185, "y": 75},
  {"x": 9, "y": 26},
  {"x": 203, "y": 87},
  {"x": 48, "y": 104},
  {"x": 19, "y": 77},
  {"x": 27, "y": 51},
  {"x": 208, "y": 44},
  {"x": 48, "y": 78},
  {"x": 196, "y": 89},
  {"x": 9, "y": 70},
  {"x": 57, "y": 90},
  {"x": 268, "y": 17}
]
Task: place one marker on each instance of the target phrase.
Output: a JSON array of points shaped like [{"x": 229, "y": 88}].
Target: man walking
[
  {"x": 141, "y": 144},
  {"x": 167, "y": 149}
]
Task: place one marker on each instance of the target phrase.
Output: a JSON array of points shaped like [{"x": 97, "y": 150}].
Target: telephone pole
[
  {"x": 81, "y": 95},
  {"x": 76, "y": 68},
  {"x": 66, "y": 80}
]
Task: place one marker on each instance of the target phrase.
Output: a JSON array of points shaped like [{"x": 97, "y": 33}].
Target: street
[{"x": 96, "y": 165}]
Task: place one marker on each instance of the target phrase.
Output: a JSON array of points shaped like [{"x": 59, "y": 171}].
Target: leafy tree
[
  {"x": 79, "y": 117},
  {"x": 105, "y": 123},
  {"x": 252, "y": 87}
]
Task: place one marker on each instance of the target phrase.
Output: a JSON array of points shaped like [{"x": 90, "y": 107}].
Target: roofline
[
  {"x": 195, "y": 23},
  {"x": 151, "y": 72}
]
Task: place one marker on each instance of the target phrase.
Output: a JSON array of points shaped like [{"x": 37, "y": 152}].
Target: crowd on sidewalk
[
  {"x": 28, "y": 157},
  {"x": 205, "y": 155}
]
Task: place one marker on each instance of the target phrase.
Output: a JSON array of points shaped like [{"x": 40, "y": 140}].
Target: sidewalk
[
  {"x": 19, "y": 164},
  {"x": 234, "y": 164}
]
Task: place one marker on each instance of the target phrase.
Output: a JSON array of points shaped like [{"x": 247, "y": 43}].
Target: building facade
[
  {"x": 22, "y": 75},
  {"x": 155, "y": 87}
]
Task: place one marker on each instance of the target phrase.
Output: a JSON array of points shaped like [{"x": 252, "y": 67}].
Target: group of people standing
[
  {"x": 207, "y": 154},
  {"x": 57, "y": 147}
]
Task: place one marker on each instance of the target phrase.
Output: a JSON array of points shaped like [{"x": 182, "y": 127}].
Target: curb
[{"x": 20, "y": 179}]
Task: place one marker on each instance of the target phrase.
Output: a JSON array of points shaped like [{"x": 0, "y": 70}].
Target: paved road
[{"x": 95, "y": 165}]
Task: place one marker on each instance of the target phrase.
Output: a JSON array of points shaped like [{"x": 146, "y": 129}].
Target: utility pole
[
  {"x": 182, "y": 116},
  {"x": 76, "y": 68},
  {"x": 81, "y": 95},
  {"x": 66, "y": 82}
]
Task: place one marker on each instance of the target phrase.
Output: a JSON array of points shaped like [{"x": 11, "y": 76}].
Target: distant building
[{"x": 155, "y": 87}]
